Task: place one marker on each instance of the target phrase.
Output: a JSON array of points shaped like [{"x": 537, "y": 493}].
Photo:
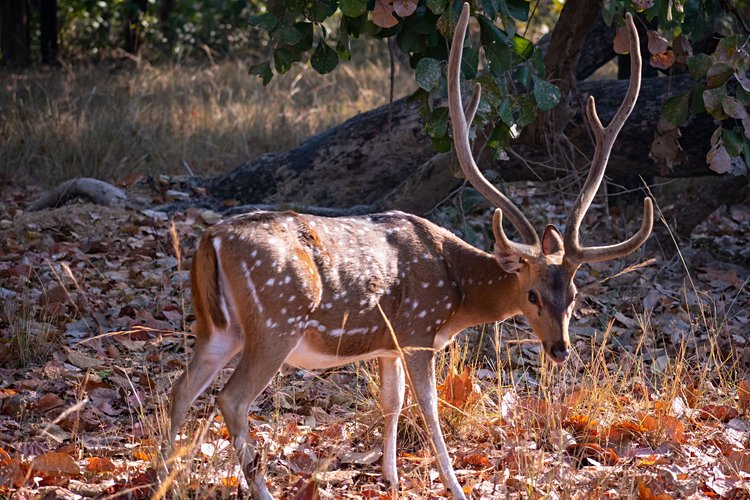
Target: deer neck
[{"x": 488, "y": 293}]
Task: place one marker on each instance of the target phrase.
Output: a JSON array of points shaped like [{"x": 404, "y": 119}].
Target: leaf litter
[{"x": 96, "y": 300}]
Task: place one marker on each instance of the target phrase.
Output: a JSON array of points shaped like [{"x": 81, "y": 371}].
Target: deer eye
[{"x": 533, "y": 298}]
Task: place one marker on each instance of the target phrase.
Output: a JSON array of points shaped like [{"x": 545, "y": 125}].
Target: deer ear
[
  {"x": 510, "y": 262},
  {"x": 552, "y": 241}
]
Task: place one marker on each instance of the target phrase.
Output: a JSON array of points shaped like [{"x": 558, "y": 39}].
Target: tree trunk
[
  {"x": 134, "y": 10},
  {"x": 165, "y": 11},
  {"x": 359, "y": 163},
  {"x": 14, "y": 33},
  {"x": 48, "y": 30}
]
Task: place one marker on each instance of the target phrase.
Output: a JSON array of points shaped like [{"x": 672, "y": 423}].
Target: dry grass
[{"x": 105, "y": 122}]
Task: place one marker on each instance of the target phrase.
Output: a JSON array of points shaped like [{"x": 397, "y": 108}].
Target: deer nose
[{"x": 559, "y": 352}]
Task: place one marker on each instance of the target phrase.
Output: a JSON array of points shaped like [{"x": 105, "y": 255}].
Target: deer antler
[
  {"x": 460, "y": 124},
  {"x": 605, "y": 138}
]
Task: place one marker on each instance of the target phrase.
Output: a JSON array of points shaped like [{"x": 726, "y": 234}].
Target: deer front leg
[
  {"x": 421, "y": 368},
  {"x": 260, "y": 360},
  {"x": 392, "y": 387}
]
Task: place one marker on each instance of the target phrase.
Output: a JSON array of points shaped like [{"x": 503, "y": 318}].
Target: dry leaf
[
  {"x": 623, "y": 431},
  {"x": 5, "y": 458},
  {"x": 55, "y": 463},
  {"x": 99, "y": 465},
  {"x": 12, "y": 475},
  {"x": 382, "y": 14},
  {"x": 739, "y": 461},
  {"x": 646, "y": 493},
  {"x": 722, "y": 413},
  {"x": 656, "y": 43},
  {"x": 743, "y": 391},
  {"x": 49, "y": 401},
  {"x": 662, "y": 60},
  {"x": 476, "y": 461},
  {"x": 404, "y": 8},
  {"x": 82, "y": 361},
  {"x": 665, "y": 425},
  {"x": 582, "y": 425},
  {"x": 621, "y": 44},
  {"x": 718, "y": 159},
  {"x": 459, "y": 391}
]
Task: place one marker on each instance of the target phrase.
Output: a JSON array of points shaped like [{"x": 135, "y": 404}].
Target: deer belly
[{"x": 306, "y": 354}]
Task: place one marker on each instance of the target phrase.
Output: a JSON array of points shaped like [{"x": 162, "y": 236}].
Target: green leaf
[
  {"x": 696, "y": 99},
  {"x": 446, "y": 23},
  {"x": 264, "y": 21},
  {"x": 500, "y": 58},
  {"x": 537, "y": 61},
  {"x": 342, "y": 48},
  {"x": 506, "y": 111},
  {"x": 471, "y": 199},
  {"x": 469, "y": 63},
  {"x": 676, "y": 109},
  {"x": 305, "y": 29},
  {"x": 522, "y": 47},
  {"x": 320, "y": 10},
  {"x": 437, "y": 125},
  {"x": 441, "y": 144},
  {"x": 489, "y": 33},
  {"x": 712, "y": 98},
  {"x": 353, "y": 8},
  {"x": 491, "y": 8},
  {"x": 718, "y": 74},
  {"x": 282, "y": 60},
  {"x": 263, "y": 70},
  {"x": 524, "y": 75},
  {"x": 287, "y": 35},
  {"x": 610, "y": 10},
  {"x": 743, "y": 96},
  {"x": 547, "y": 95},
  {"x": 527, "y": 108},
  {"x": 727, "y": 48},
  {"x": 732, "y": 141},
  {"x": 500, "y": 137},
  {"x": 353, "y": 26},
  {"x": 437, "y": 6},
  {"x": 409, "y": 41},
  {"x": 519, "y": 9},
  {"x": 490, "y": 91},
  {"x": 698, "y": 65},
  {"x": 324, "y": 59},
  {"x": 422, "y": 99},
  {"x": 427, "y": 73}
]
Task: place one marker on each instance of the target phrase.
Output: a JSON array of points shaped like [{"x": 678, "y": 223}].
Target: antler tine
[
  {"x": 463, "y": 147},
  {"x": 471, "y": 109},
  {"x": 605, "y": 138}
]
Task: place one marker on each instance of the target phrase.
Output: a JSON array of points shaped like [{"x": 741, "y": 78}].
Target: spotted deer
[{"x": 314, "y": 292}]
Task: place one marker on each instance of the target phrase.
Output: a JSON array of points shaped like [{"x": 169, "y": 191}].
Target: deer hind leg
[
  {"x": 421, "y": 368},
  {"x": 263, "y": 355},
  {"x": 392, "y": 387},
  {"x": 211, "y": 353}
]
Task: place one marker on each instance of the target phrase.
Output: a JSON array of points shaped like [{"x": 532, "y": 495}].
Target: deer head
[{"x": 546, "y": 269}]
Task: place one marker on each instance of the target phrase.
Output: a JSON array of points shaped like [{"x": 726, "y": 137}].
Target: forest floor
[{"x": 653, "y": 403}]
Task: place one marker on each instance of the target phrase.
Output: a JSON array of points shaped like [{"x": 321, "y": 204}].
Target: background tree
[
  {"x": 48, "y": 30},
  {"x": 14, "y": 32}
]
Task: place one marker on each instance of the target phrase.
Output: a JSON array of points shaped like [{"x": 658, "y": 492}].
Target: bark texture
[{"x": 359, "y": 162}]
